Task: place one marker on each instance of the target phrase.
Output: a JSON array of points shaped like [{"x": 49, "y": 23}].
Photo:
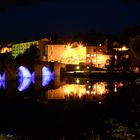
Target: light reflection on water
[
  {"x": 2, "y": 77},
  {"x": 80, "y": 90},
  {"x": 2, "y": 80},
  {"x": 24, "y": 83},
  {"x": 75, "y": 89},
  {"x": 2, "y": 84}
]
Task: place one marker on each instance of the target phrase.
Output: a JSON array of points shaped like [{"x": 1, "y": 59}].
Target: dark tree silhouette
[
  {"x": 92, "y": 37},
  {"x": 31, "y": 54}
]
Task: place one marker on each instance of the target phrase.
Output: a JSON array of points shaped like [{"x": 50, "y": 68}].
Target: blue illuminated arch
[
  {"x": 24, "y": 72},
  {"x": 24, "y": 83},
  {"x": 2, "y": 84},
  {"x": 47, "y": 76},
  {"x": 25, "y": 78},
  {"x": 46, "y": 71},
  {"x": 2, "y": 77},
  {"x": 45, "y": 80}
]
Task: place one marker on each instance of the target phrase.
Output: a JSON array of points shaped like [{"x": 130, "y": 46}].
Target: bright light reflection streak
[
  {"x": 80, "y": 90},
  {"x": 74, "y": 89}
]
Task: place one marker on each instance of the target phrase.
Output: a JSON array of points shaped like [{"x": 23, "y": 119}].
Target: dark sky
[{"x": 34, "y": 19}]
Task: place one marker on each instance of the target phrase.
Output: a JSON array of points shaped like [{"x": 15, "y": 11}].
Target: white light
[
  {"x": 80, "y": 45},
  {"x": 77, "y": 81},
  {"x": 88, "y": 55},
  {"x": 89, "y": 86},
  {"x": 77, "y": 67},
  {"x": 88, "y": 92}
]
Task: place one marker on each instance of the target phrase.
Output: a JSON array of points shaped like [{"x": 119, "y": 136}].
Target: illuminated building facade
[
  {"x": 121, "y": 59},
  {"x": 68, "y": 54},
  {"x": 96, "y": 56},
  {"x": 20, "y": 48},
  {"x": 5, "y": 48},
  {"x": 74, "y": 53},
  {"x": 78, "y": 54}
]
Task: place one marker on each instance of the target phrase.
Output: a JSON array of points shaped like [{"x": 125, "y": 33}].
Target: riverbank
[{"x": 102, "y": 75}]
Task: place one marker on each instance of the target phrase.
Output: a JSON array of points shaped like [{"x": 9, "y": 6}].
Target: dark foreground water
[{"x": 69, "y": 109}]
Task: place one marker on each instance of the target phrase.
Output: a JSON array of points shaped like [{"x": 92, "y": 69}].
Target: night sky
[{"x": 34, "y": 19}]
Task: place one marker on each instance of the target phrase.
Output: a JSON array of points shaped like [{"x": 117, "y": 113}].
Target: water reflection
[
  {"x": 78, "y": 91},
  {"x": 86, "y": 89},
  {"x": 2, "y": 84},
  {"x": 2, "y": 77},
  {"x": 24, "y": 83},
  {"x": 75, "y": 88},
  {"x": 47, "y": 76},
  {"x": 2, "y": 80},
  {"x": 68, "y": 105}
]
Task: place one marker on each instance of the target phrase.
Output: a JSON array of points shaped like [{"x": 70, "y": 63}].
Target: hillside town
[{"x": 104, "y": 56}]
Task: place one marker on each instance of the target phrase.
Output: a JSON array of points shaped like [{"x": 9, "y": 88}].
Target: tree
[
  {"x": 31, "y": 54},
  {"x": 135, "y": 49}
]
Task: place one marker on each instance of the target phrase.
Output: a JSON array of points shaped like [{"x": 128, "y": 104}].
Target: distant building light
[
  {"x": 115, "y": 89},
  {"x": 80, "y": 45},
  {"x": 89, "y": 86},
  {"x": 115, "y": 56},
  {"x": 88, "y": 55},
  {"x": 77, "y": 81},
  {"x": 68, "y": 47},
  {"x": 124, "y": 48},
  {"x": 89, "y": 60},
  {"x": 100, "y": 102},
  {"x": 94, "y": 55},
  {"x": 77, "y": 67}
]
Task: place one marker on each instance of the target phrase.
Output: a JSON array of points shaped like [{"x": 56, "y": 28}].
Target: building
[
  {"x": 6, "y": 48},
  {"x": 68, "y": 54},
  {"x": 96, "y": 56},
  {"x": 20, "y": 48},
  {"x": 78, "y": 54},
  {"x": 134, "y": 45}
]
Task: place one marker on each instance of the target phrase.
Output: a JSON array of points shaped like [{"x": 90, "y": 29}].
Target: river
[{"x": 68, "y": 108}]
